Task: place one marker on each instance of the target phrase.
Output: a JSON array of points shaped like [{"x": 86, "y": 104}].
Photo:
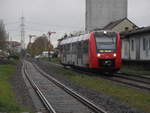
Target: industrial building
[
  {"x": 99, "y": 13},
  {"x": 136, "y": 45},
  {"x": 122, "y": 25}
]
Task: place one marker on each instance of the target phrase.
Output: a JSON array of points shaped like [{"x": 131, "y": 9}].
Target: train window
[
  {"x": 79, "y": 49},
  {"x": 132, "y": 45},
  {"x": 68, "y": 48},
  {"x": 106, "y": 43},
  {"x": 85, "y": 46},
  {"x": 74, "y": 48},
  {"x": 144, "y": 44},
  {"x": 126, "y": 48},
  {"x": 149, "y": 43},
  {"x": 60, "y": 50}
]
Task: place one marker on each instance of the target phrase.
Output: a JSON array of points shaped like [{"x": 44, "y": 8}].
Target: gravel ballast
[
  {"x": 21, "y": 91},
  {"x": 108, "y": 103}
]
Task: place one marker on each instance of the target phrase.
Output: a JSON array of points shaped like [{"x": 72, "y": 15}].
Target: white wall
[
  {"x": 125, "y": 49},
  {"x": 145, "y": 54},
  {"x": 138, "y": 49}
]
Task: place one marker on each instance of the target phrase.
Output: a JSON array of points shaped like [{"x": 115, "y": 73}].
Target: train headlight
[
  {"x": 105, "y": 32},
  {"x": 98, "y": 55},
  {"x": 115, "y": 54}
]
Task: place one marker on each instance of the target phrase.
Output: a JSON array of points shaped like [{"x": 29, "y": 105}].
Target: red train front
[
  {"x": 97, "y": 50},
  {"x": 105, "y": 50}
]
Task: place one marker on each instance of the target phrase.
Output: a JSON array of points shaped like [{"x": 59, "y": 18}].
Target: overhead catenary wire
[
  {"x": 30, "y": 23},
  {"x": 38, "y": 28},
  {"x": 54, "y": 25}
]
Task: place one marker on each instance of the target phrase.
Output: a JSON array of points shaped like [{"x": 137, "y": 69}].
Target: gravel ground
[
  {"x": 110, "y": 104},
  {"x": 22, "y": 95}
]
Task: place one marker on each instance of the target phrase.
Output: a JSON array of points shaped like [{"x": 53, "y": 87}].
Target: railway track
[
  {"x": 47, "y": 105},
  {"x": 56, "y": 97},
  {"x": 132, "y": 80},
  {"x": 136, "y": 81},
  {"x": 136, "y": 77}
]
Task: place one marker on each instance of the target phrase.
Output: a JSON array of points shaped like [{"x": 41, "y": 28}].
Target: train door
[
  {"x": 137, "y": 42},
  {"x": 85, "y": 57},
  {"x": 65, "y": 54}
]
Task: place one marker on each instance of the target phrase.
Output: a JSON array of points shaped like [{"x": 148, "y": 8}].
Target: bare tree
[{"x": 3, "y": 35}]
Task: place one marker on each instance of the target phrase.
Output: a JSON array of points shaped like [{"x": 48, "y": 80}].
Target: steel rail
[
  {"x": 135, "y": 75},
  {"x": 111, "y": 78},
  {"x": 118, "y": 81},
  {"x": 39, "y": 93},
  {"x": 83, "y": 100},
  {"x": 133, "y": 78},
  {"x": 131, "y": 84}
]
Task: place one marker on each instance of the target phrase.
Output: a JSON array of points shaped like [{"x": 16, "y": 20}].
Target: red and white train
[{"x": 97, "y": 50}]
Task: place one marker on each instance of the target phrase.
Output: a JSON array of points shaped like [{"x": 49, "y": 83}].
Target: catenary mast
[{"x": 22, "y": 26}]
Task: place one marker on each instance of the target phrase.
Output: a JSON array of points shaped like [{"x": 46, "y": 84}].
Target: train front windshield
[{"x": 105, "y": 41}]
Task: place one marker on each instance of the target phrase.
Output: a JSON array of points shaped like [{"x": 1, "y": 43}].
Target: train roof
[
  {"x": 82, "y": 37},
  {"x": 74, "y": 39}
]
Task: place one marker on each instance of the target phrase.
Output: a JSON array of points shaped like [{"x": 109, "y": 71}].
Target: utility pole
[
  {"x": 22, "y": 32},
  {"x": 30, "y": 42},
  {"x": 49, "y": 44}
]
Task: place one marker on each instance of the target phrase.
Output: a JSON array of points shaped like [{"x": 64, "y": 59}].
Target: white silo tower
[{"x": 99, "y": 13}]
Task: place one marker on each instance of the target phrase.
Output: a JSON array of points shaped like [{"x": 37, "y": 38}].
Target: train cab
[{"x": 105, "y": 50}]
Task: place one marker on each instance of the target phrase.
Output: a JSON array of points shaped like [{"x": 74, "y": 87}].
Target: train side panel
[
  {"x": 118, "y": 57},
  {"x": 84, "y": 53}
]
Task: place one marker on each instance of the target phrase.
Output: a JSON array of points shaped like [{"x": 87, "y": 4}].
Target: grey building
[
  {"x": 99, "y": 13},
  {"x": 136, "y": 45}
]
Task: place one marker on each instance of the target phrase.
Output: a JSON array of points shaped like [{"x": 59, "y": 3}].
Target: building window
[
  {"x": 126, "y": 28},
  {"x": 144, "y": 44},
  {"x": 126, "y": 49},
  {"x": 132, "y": 45}
]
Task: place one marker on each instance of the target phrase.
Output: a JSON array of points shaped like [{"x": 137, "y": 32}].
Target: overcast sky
[{"x": 58, "y": 15}]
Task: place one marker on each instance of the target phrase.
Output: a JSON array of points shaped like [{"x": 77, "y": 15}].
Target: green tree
[{"x": 39, "y": 45}]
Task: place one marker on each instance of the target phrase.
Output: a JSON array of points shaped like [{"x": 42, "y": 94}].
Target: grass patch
[
  {"x": 54, "y": 60},
  {"x": 139, "y": 70},
  {"x": 130, "y": 96},
  {"x": 7, "y": 97},
  {"x": 44, "y": 59}
]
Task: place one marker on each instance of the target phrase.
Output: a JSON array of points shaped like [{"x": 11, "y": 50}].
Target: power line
[
  {"x": 45, "y": 25},
  {"x": 53, "y": 25},
  {"x": 11, "y": 23}
]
